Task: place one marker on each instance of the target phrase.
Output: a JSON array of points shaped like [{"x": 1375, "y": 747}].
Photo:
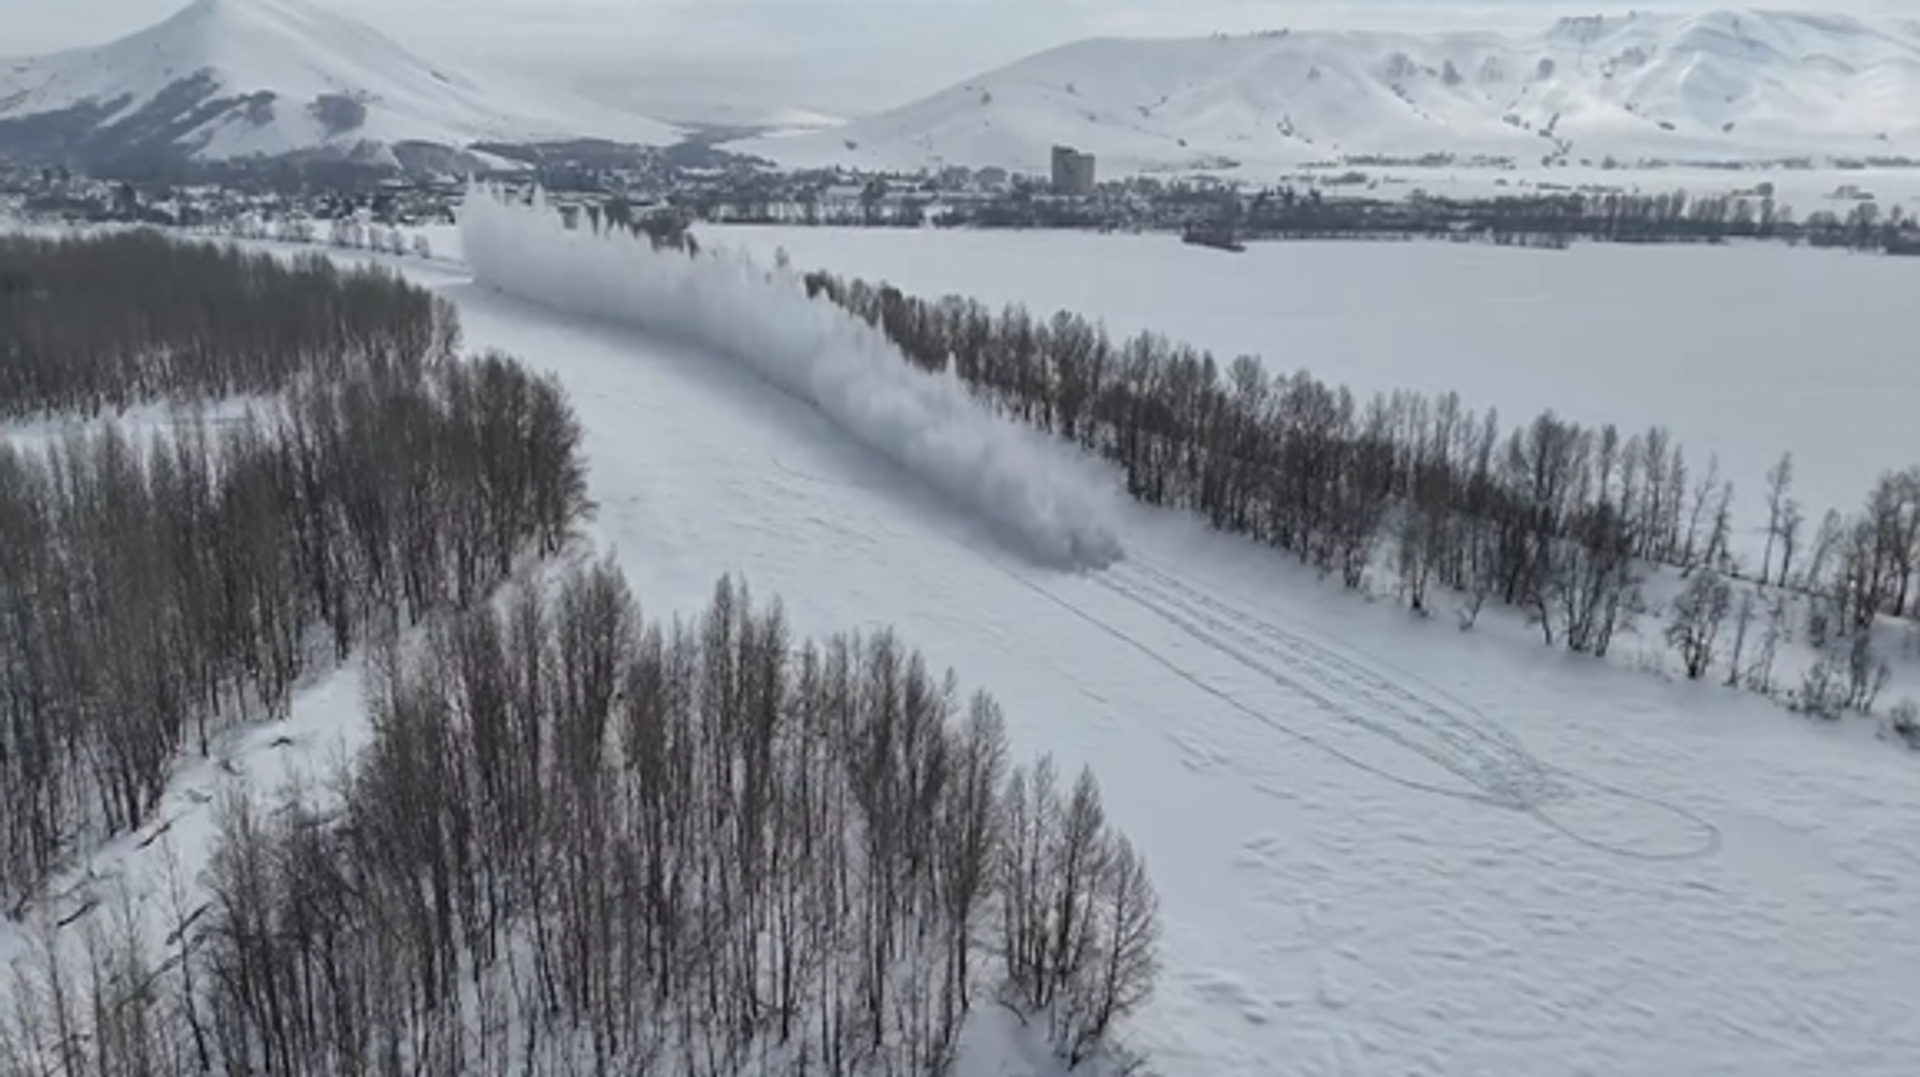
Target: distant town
[{"x": 673, "y": 189}]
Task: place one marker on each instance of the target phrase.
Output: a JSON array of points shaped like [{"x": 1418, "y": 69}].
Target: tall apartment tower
[{"x": 1072, "y": 171}]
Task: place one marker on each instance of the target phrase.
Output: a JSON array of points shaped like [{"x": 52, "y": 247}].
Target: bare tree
[
  {"x": 1744, "y": 615},
  {"x": 1694, "y": 627},
  {"x": 1783, "y": 519}
]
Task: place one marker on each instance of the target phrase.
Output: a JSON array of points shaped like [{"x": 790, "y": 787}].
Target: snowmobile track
[
  {"x": 1490, "y": 761},
  {"x": 1497, "y": 769}
]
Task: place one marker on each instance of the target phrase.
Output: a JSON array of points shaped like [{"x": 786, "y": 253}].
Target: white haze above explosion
[{"x": 1057, "y": 504}]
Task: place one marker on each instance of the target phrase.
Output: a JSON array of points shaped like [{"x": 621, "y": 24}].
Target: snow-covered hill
[
  {"x": 221, "y": 79},
  {"x": 1720, "y": 85}
]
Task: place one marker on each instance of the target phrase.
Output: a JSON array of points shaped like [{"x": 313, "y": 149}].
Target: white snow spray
[{"x": 1054, "y": 501}]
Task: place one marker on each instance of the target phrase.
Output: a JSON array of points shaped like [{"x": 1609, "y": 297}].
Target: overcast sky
[{"x": 837, "y": 56}]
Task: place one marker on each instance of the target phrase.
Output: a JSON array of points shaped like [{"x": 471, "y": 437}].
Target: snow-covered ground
[
  {"x": 1728, "y": 899},
  {"x": 1676, "y": 85},
  {"x": 1383, "y": 848},
  {"x": 301, "y": 60}
]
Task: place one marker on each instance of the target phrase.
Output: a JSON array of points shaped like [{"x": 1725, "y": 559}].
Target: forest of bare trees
[
  {"x": 583, "y": 842},
  {"x": 578, "y": 842},
  {"x": 157, "y": 591},
  {"x": 1550, "y": 517},
  {"x": 88, "y": 324}
]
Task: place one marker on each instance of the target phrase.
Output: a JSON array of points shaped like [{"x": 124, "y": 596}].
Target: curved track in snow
[{"x": 1489, "y": 763}]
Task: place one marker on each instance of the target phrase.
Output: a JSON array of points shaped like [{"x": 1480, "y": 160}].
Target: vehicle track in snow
[
  {"x": 1477, "y": 758},
  {"x": 1491, "y": 764}
]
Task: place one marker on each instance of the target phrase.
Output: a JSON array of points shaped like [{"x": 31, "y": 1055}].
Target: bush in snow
[
  {"x": 1694, "y": 627},
  {"x": 1843, "y": 680},
  {"x": 1904, "y": 722},
  {"x": 1822, "y": 692}
]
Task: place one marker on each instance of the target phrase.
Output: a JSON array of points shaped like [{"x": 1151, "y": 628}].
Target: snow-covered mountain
[
  {"x": 1719, "y": 85},
  {"x": 222, "y": 79}
]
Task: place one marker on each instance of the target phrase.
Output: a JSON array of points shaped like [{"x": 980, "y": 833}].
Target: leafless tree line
[
  {"x": 108, "y": 321},
  {"x": 1550, "y": 517},
  {"x": 154, "y": 593},
  {"x": 581, "y": 842}
]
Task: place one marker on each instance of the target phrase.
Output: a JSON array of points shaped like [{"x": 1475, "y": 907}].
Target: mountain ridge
[
  {"x": 1725, "y": 85},
  {"x": 219, "y": 80}
]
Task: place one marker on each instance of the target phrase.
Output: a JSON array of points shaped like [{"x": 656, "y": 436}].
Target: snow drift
[{"x": 1056, "y": 503}]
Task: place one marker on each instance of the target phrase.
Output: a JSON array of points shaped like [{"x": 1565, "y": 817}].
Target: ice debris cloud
[{"x": 1056, "y": 503}]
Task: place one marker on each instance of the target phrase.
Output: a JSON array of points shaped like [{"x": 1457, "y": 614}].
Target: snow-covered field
[
  {"x": 1735, "y": 84},
  {"x": 1383, "y": 847}
]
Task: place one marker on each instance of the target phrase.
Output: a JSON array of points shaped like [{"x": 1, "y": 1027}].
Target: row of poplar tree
[
  {"x": 1551, "y": 517},
  {"x": 578, "y": 842}
]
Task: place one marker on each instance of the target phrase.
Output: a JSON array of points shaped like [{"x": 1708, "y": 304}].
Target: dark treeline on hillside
[
  {"x": 581, "y": 842},
  {"x": 155, "y": 593},
  {"x": 1549, "y": 517},
  {"x": 94, "y": 323}
]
